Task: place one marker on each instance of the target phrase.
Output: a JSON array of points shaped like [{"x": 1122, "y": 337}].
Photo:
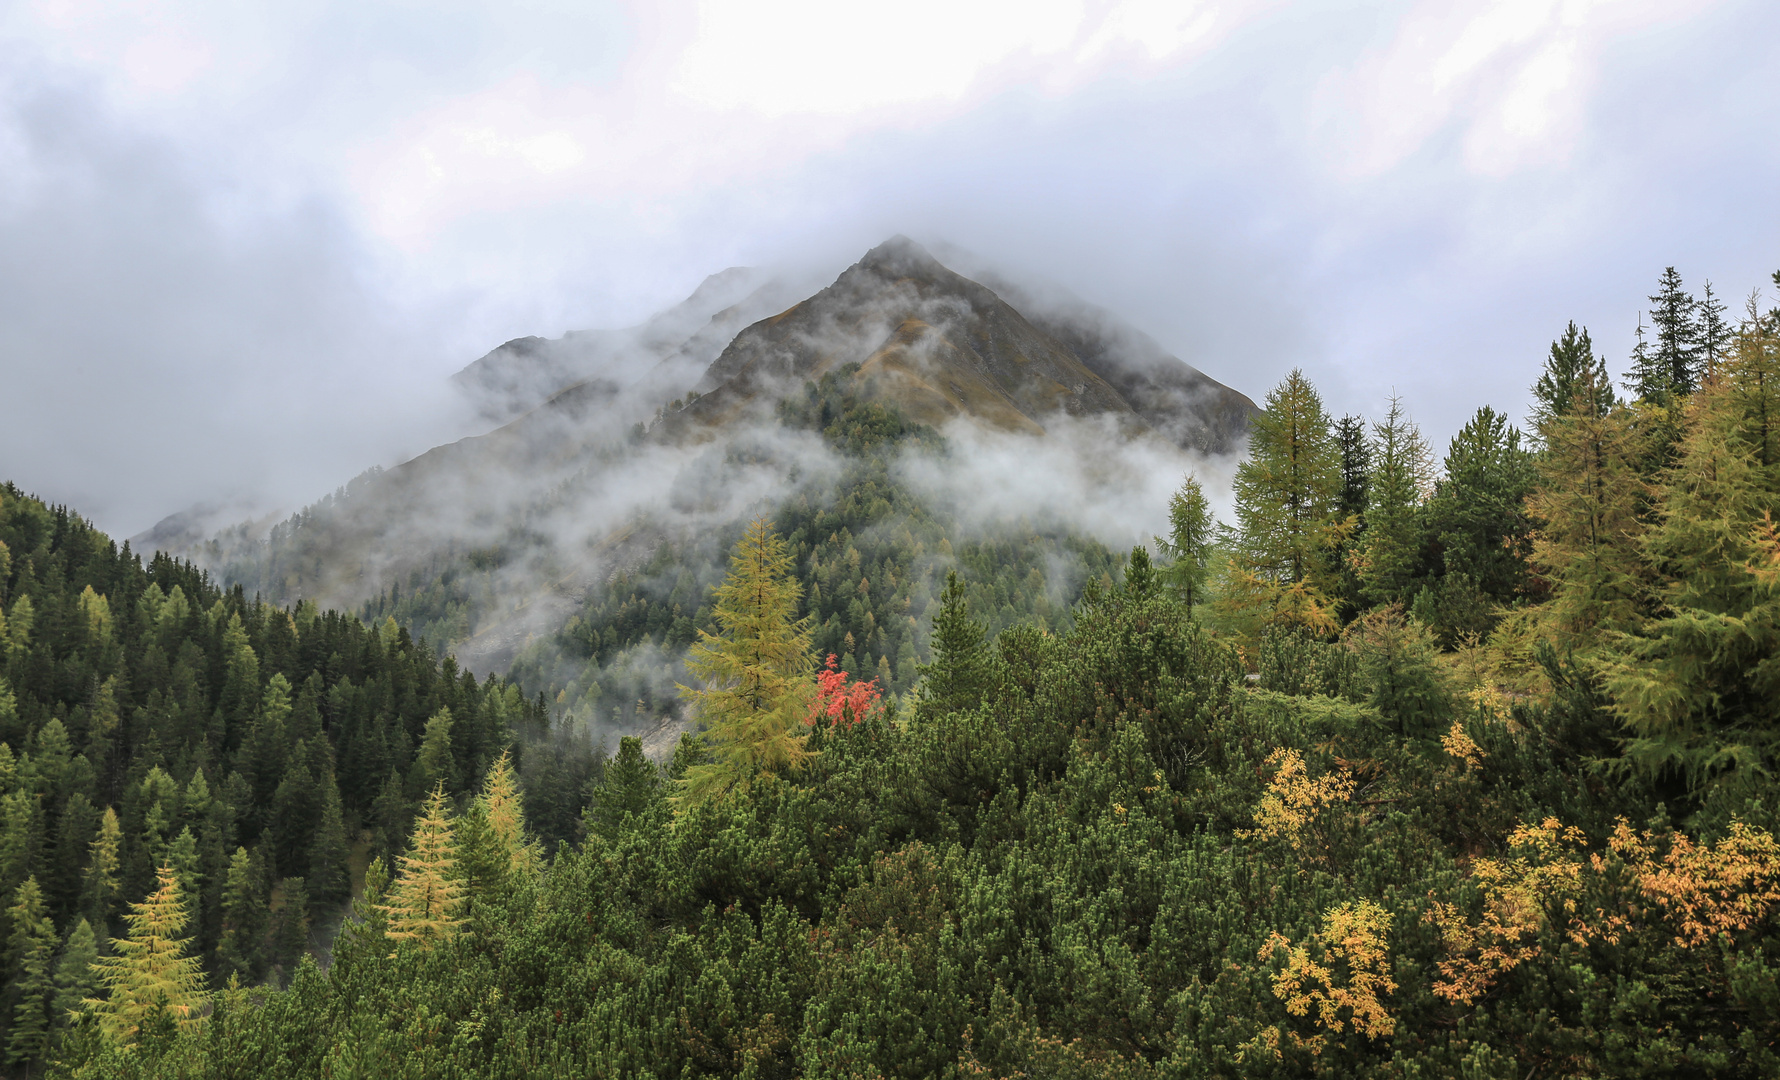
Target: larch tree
[
  {"x": 151, "y": 973},
  {"x": 1287, "y": 521},
  {"x": 496, "y": 853},
  {"x": 1699, "y": 686},
  {"x": 756, "y": 671},
  {"x": 427, "y": 895},
  {"x": 1588, "y": 504}
]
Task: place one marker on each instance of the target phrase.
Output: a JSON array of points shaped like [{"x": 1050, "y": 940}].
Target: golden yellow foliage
[
  {"x": 1545, "y": 864},
  {"x": 1293, "y": 801},
  {"x": 150, "y": 970},
  {"x": 1353, "y": 937},
  {"x": 1704, "y": 889},
  {"x": 1459, "y": 744},
  {"x": 424, "y": 903}
]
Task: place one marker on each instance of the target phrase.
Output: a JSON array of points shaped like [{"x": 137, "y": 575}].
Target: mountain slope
[{"x": 941, "y": 346}]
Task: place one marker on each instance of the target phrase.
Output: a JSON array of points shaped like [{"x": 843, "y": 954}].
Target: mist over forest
[{"x": 926, "y": 540}]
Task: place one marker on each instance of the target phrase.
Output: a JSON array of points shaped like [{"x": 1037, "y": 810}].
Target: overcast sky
[{"x": 242, "y": 246}]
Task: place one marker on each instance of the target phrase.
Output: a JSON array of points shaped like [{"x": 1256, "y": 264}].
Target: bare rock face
[{"x": 942, "y": 346}]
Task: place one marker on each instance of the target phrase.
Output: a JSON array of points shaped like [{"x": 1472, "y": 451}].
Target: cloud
[{"x": 244, "y": 245}]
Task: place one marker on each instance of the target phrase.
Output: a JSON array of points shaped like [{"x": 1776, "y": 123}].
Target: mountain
[
  {"x": 522, "y": 374},
  {"x": 531, "y": 540},
  {"x": 941, "y": 347}
]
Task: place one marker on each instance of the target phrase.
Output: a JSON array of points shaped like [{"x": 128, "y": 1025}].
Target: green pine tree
[
  {"x": 1390, "y": 556},
  {"x": 241, "y": 951},
  {"x": 31, "y": 950},
  {"x": 1698, "y": 687},
  {"x": 1572, "y": 368},
  {"x": 76, "y": 979},
  {"x": 1191, "y": 533},
  {"x": 959, "y": 674}
]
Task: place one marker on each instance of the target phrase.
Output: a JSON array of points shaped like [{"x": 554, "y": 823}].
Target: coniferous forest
[{"x": 1423, "y": 765}]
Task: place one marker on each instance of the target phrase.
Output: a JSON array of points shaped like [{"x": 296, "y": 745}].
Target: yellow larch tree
[
  {"x": 757, "y": 671},
  {"x": 425, "y": 900},
  {"x": 151, "y": 971}
]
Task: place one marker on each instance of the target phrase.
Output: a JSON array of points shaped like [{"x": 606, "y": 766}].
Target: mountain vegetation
[{"x": 1416, "y": 768}]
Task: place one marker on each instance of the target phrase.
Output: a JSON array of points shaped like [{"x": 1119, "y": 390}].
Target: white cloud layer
[{"x": 284, "y": 224}]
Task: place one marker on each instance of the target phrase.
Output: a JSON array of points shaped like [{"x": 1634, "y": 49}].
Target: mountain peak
[{"x": 901, "y": 257}]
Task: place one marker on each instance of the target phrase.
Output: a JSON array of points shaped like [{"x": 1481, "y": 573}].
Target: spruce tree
[
  {"x": 330, "y": 880},
  {"x": 424, "y": 902},
  {"x": 631, "y": 787},
  {"x": 1356, "y": 466},
  {"x": 31, "y": 950},
  {"x": 434, "y": 764},
  {"x": 1674, "y": 316},
  {"x": 1477, "y": 514},
  {"x": 241, "y": 951},
  {"x": 76, "y": 979},
  {"x": 1714, "y": 333},
  {"x": 288, "y": 937},
  {"x": 959, "y": 674},
  {"x": 1571, "y": 367},
  {"x": 1191, "y": 529},
  {"x": 756, "y": 671},
  {"x": 149, "y": 976},
  {"x": 99, "y": 890},
  {"x": 1389, "y": 559}
]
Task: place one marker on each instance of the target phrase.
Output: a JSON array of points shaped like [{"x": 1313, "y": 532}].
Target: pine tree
[
  {"x": 329, "y": 876},
  {"x": 1477, "y": 513},
  {"x": 1649, "y": 379},
  {"x": 424, "y": 901},
  {"x": 77, "y": 978},
  {"x": 1675, "y": 318},
  {"x": 1714, "y": 332},
  {"x": 756, "y": 671},
  {"x": 1188, "y": 544},
  {"x": 149, "y": 975},
  {"x": 31, "y": 950},
  {"x": 1571, "y": 367},
  {"x": 1287, "y": 515},
  {"x": 288, "y": 937},
  {"x": 1402, "y": 478},
  {"x": 434, "y": 764},
  {"x": 959, "y": 674},
  {"x": 632, "y": 786},
  {"x": 241, "y": 951},
  {"x": 99, "y": 891}
]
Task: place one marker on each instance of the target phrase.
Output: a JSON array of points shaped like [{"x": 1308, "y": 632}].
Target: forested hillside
[{"x": 1456, "y": 767}]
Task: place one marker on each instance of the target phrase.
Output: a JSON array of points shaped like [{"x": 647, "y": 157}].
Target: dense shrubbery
[{"x": 1463, "y": 779}]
